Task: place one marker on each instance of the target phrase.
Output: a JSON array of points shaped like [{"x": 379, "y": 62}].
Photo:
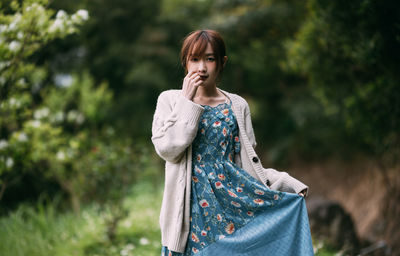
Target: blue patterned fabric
[{"x": 231, "y": 211}]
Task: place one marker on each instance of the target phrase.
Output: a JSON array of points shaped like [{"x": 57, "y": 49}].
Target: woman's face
[{"x": 205, "y": 66}]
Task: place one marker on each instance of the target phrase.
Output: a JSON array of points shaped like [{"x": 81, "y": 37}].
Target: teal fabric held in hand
[{"x": 231, "y": 211}]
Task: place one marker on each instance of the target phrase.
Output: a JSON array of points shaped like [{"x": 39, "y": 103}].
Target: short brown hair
[{"x": 195, "y": 43}]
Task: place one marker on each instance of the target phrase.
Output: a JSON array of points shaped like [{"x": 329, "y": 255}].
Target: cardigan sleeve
[
  {"x": 282, "y": 181},
  {"x": 174, "y": 125}
]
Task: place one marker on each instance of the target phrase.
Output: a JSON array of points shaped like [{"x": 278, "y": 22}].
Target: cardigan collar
[{"x": 235, "y": 104}]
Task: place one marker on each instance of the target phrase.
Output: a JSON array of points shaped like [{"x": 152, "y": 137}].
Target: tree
[
  {"x": 54, "y": 126},
  {"x": 349, "y": 52},
  {"x": 25, "y": 28},
  {"x": 286, "y": 119}
]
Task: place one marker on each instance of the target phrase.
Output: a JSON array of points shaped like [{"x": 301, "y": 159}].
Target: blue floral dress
[{"x": 224, "y": 197}]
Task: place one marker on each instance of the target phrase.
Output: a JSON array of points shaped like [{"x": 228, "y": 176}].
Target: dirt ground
[{"x": 357, "y": 187}]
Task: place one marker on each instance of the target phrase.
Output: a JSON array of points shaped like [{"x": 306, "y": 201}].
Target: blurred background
[{"x": 79, "y": 82}]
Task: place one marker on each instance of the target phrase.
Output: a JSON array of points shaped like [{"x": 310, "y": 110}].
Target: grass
[{"x": 42, "y": 231}]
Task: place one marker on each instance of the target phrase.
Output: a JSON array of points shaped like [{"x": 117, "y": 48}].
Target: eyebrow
[{"x": 207, "y": 54}]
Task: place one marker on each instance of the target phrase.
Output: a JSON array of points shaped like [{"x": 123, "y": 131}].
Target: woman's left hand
[{"x": 303, "y": 193}]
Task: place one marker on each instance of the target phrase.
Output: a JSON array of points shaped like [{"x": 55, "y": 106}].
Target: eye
[
  {"x": 211, "y": 59},
  {"x": 194, "y": 59}
]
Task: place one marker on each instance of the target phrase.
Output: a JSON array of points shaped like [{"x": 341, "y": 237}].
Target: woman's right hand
[{"x": 190, "y": 84}]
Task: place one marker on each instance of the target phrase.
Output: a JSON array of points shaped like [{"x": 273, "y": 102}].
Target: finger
[
  {"x": 189, "y": 74},
  {"x": 198, "y": 83},
  {"x": 196, "y": 78},
  {"x": 193, "y": 74},
  {"x": 187, "y": 78},
  {"x": 193, "y": 80}
]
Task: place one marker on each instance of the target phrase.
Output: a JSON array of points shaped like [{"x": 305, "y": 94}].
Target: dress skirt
[{"x": 231, "y": 211}]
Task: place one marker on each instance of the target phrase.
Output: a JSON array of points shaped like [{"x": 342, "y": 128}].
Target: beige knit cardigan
[{"x": 174, "y": 127}]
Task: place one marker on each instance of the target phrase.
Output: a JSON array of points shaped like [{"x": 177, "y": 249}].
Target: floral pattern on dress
[{"x": 224, "y": 197}]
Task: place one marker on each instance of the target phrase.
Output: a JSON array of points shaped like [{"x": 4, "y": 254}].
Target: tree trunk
[
  {"x": 73, "y": 196},
  {"x": 3, "y": 188},
  {"x": 75, "y": 202}
]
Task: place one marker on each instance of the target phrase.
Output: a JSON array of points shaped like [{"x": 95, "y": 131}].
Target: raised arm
[{"x": 174, "y": 125}]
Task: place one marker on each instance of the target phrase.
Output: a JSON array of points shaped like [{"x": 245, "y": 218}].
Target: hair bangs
[{"x": 199, "y": 45}]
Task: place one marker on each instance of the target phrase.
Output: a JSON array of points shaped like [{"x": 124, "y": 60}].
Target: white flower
[
  {"x": 59, "y": 22},
  {"x": 9, "y": 162},
  {"x": 21, "y": 82},
  {"x": 61, "y": 14},
  {"x": 56, "y": 26},
  {"x": 80, "y": 15},
  {"x": 318, "y": 246},
  {"x": 63, "y": 80},
  {"x": 13, "y": 24},
  {"x": 22, "y": 137},
  {"x": 20, "y": 35},
  {"x": 72, "y": 115},
  {"x": 3, "y": 144},
  {"x": 130, "y": 247},
  {"x": 14, "y": 102},
  {"x": 35, "y": 123},
  {"x": 60, "y": 155},
  {"x": 125, "y": 251},
  {"x": 80, "y": 118},
  {"x": 41, "y": 113},
  {"x": 4, "y": 64},
  {"x": 75, "y": 116},
  {"x": 144, "y": 241},
  {"x": 14, "y": 46},
  {"x": 84, "y": 14},
  {"x": 3, "y": 28},
  {"x": 58, "y": 117}
]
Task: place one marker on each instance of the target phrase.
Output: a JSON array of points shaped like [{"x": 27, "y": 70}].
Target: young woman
[{"x": 217, "y": 197}]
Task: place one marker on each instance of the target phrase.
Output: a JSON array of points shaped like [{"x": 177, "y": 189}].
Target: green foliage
[
  {"x": 349, "y": 52},
  {"x": 67, "y": 142},
  {"x": 25, "y": 28},
  {"x": 286, "y": 119},
  {"x": 57, "y": 130},
  {"x": 192, "y": 12},
  {"x": 43, "y": 230}
]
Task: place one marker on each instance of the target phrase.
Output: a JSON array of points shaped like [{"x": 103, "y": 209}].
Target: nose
[{"x": 202, "y": 66}]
